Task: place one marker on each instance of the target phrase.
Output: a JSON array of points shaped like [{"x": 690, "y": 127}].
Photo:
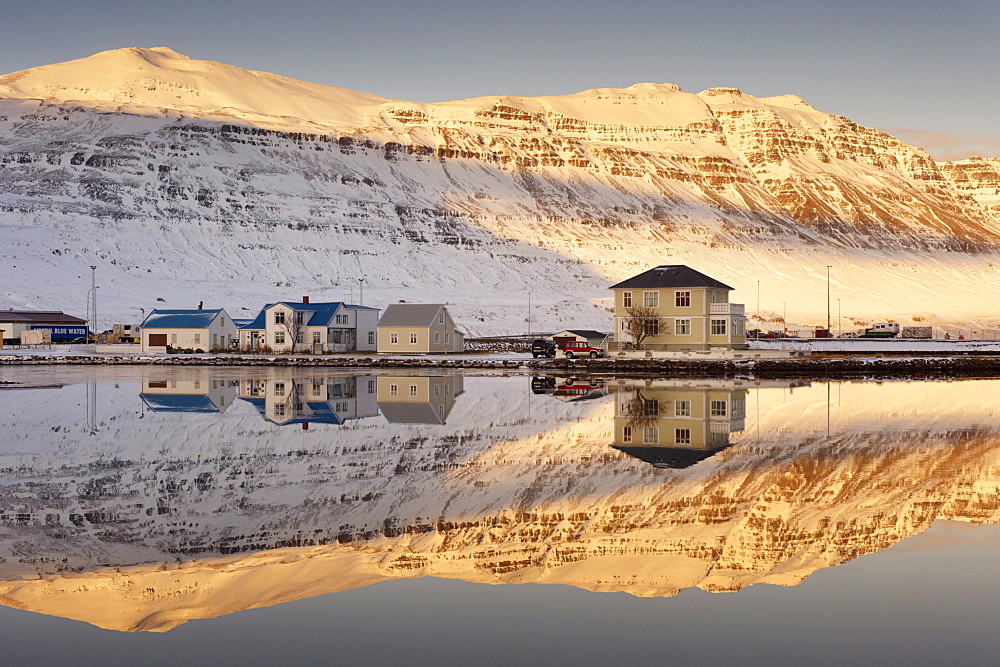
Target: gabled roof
[
  {"x": 179, "y": 403},
  {"x": 675, "y": 275},
  {"x": 669, "y": 457},
  {"x": 409, "y": 413},
  {"x": 180, "y": 319},
  {"x": 39, "y": 317},
  {"x": 587, "y": 333},
  {"x": 410, "y": 314},
  {"x": 322, "y": 312}
]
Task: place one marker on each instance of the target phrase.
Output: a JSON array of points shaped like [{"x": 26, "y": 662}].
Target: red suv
[{"x": 579, "y": 349}]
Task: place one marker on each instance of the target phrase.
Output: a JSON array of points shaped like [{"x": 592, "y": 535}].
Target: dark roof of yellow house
[{"x": 676, "y": 275}]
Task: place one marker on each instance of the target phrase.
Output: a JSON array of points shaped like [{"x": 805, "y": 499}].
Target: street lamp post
[
  {"x": 828, "y": 267},
  {"x": 784, "y": 317},
  {"x": 93, "y": 303}
]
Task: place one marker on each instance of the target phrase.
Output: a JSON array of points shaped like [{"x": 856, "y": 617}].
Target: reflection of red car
[{"x": 575, "y": 389}]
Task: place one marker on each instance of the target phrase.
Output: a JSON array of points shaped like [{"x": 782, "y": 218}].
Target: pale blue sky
[{"x": 925, "y": 71}]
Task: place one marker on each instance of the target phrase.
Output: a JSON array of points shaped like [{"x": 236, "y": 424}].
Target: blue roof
[
  {"x": 322, "y": 313},
  {"x": 322, "y": 412},
  {"x": 180, "y": 319},
  {"x": 178, "y": 403}
]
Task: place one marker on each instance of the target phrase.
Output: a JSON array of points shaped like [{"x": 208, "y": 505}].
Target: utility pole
[
  {"x": 361, "y": 290},
  {"x": 838, "y": 317},
  {"x": 784, "y": 316},
  {"x": 93, "y": 288},
  {"x": 758, "y": 311},
  {"x": 529, "y": 314},
  {"x": 828, "y": 267}
]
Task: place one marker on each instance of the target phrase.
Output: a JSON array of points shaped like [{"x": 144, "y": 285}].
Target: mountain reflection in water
[{"x": 142, "y": 499}]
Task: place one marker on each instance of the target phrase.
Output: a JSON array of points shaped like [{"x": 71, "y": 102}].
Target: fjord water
[{"x": 258, "y": 515}]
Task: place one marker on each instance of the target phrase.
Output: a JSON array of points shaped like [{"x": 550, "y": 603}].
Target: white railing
[{"x": 725, "y": 309}]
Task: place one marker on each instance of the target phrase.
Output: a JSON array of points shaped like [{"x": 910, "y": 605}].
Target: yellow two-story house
[{"x": 677, "y": 308}]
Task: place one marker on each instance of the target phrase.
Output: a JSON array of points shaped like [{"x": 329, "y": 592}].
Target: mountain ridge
[{"x": 523, "y": 187}]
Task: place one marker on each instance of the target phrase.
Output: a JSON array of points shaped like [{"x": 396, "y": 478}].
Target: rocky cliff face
[
  {"x": 158, "y": 168},
  {"x": 97, "y": 525}
]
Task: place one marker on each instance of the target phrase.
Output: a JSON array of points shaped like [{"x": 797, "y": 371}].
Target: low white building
[
  {"x": 199, "y": 330},
  {"x": 333, "y": 326}
]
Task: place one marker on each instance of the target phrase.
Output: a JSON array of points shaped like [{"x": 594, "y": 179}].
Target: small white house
[
  {"x": 199, "y": 330},
  {"x": 287, "y": 326}
]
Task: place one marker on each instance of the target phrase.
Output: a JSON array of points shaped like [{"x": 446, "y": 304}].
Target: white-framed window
[
  {"x": 651, "y": 326},
  {"x": 441, "y": 317},
  {"x": 413, "y": 390},
  {"x": 300, "y": 337},
  {"x": 413, "y": 339},
  {"x": 279, "y": 317},
  {"x": 650, "y": 435},
  {"x": 197, "y": 339},
  {"x": 626, "y": 299},
  {"x": 447, "y": 338},
  {"x": 718, "y": 327},
  {"x": 720, "y": 297},
  {"x": 394, "y": 338},
  {"x": 682, "y": 327},
  {"x": 651, "y": 299},
  {"x": 371, "y": 386},
  {"x": 720, "y": 438},
  {"x": 279, "y": 410},
  {"x": 682, "y": 436},
  {"x": 626, "y": 434},
  {"x": 650, "y": 406},
  {"x": 682, "y": 408},
  {"x": 173, "y": 339},
  {"x": 739, "y": 326},
  {"x": 719, "y": 408},
  {"x": 437, "y": 337},
  {"x": 300, "y": 318},
  {"x": 279, "y": 337},
  {"x": 316, "y": 336},
  {"x": 371, "y": 337},
  {"x": 682, "y": 299},
  {"x": 279, "y": 388},
  {"x": 437, "y": 390},
  {"x": 393, "y": 389}
]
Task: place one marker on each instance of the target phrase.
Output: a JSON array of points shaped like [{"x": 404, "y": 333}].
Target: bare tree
[
  {"x": 641, "y": 323},
  {"x": 293, "y": 323},
  {"x": 642, "y": 411}
]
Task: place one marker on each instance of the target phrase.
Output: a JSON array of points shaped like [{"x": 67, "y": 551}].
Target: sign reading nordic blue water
[{"x": 62, "y": 333}]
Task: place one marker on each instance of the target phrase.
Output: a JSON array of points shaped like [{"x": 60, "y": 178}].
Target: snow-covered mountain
[
  {"x": 143, "y": 520},
  {"x": 188, "y": 180}
]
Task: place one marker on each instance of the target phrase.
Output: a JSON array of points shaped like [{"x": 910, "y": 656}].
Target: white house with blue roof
[
  {"x": 199, "y": 330},
  {"x": 331, "y": 326}
]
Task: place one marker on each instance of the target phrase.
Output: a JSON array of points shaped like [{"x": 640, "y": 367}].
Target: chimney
[
  {"x": 305, "y": 426},
  {"x": 305, "y": 299}
]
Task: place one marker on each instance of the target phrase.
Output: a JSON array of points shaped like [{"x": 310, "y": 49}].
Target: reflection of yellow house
[
  {"x": 674, "y": 424},
  {"x": 420, "y": 399},
  {"x": 204, "y": 393},
  {"x": 688, "y": 311},
  {"x": 300, "y": 400}
]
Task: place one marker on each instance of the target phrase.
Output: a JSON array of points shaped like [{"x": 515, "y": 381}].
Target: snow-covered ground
[{"x": 187, "y": 181}]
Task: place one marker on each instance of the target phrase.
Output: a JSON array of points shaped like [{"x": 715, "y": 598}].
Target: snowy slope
[{"x": 187, "y": 181}]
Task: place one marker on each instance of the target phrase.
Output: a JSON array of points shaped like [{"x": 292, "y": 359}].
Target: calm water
[{"x": 266, "y": 515}]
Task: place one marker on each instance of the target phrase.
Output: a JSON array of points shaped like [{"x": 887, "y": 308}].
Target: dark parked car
[{"x": 543, "y": 348}]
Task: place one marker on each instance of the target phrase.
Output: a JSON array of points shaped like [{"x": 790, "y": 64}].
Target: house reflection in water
[
  {"x": 674, "y": 423},
  {"x": 420, "y": 399},
  {"x": 190, "y": 392},
  {"x": 304, "y": 399}
]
